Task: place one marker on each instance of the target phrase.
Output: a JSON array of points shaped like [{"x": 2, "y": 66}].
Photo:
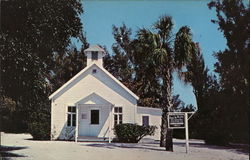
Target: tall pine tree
[{"x": 233, "y": 66}]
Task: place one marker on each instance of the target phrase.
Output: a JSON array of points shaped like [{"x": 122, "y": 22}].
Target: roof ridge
[
  {"x": 104, "y": 70},
  {"x": 94, "y": 47}
]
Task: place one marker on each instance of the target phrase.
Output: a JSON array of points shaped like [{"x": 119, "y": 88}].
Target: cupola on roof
[
  {"x": 95, "y": 55},
  {"x": 94, "y": 48}
]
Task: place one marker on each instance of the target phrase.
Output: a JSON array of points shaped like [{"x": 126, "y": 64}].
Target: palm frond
[
  {"x": 184, "y": 76},
  {"x": 164, "y": 26},
  {"x": 160, "y": 55},
  {"x": 184, "y": 47}
]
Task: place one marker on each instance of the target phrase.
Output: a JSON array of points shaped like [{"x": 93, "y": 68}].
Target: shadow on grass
[{"x": 5, "y": 152}]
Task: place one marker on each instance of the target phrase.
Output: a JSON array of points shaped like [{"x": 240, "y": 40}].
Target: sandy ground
[{"x": 22, "y": 147}]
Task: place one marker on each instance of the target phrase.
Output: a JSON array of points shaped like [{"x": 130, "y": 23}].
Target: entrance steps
[{"x": 92, "y": 139}]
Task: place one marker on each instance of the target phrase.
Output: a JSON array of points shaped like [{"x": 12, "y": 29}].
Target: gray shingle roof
[{"x": 94, "y": 48}]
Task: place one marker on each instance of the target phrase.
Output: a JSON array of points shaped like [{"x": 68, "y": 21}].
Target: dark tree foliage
[
  {"x": 120, "y": 63},
  {"x": 32, "y": 34},
  {"x": 122, "y": 58},
  {"x": 206, "y": 123},
  {"x": 67, "y": 65},
  {"x": 177, "y": 103},
  {"x": 223, "y": 105},
  {"x": 188, "y": 108},
  {"x": 233, "y": 66},
  {"x": 129, "y": 66},
  {"x": 146, "y": 63},
  {"x": 197, "y": 75}
]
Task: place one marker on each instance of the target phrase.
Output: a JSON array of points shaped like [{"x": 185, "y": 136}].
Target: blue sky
[{"x": 99, "y": 16}]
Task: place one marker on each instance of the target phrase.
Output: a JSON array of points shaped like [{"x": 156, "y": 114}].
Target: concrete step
[{"x": 92, "y": 139}]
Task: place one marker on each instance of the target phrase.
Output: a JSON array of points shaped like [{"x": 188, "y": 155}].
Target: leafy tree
[
  {"x": 8, "y": 114},
  {"x": 222, "y": 104},
  {"x": 176, "y": 60},
  {"x": 188, "y": 108},
  {"x": 67, "y": 65},
  {"x": 151, "y": 59},
  {"x": 129, "y": 66},
  {"x": 120, "y": 63},
  {"x": 32, "y": 33},
  {"x": 177, "y": 103},
  {"x": 197, "y": 75},
  {"x": 233, "y": 66},
  {"x": 205, "y": 124},
  {"x": 147, "y": 75}
]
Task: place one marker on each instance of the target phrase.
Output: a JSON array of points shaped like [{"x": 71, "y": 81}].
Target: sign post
[
  {"x": 179, "y": 120},
  {"x": 186, "y": 132}
]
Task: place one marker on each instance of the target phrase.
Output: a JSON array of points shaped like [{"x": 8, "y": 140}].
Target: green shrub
[
  {"x": 132, "y": 133},
  {"x": 39, "y": 130},
  {"x": 39, "y": 123}
]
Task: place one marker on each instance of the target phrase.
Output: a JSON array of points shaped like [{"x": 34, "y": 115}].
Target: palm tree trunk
[
  {"x": 166, "y": 133},
  {"x": 163, "y": 130},
  {"x": 169, "y": 140}
]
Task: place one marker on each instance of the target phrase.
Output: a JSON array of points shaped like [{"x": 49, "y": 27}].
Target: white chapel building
[{"x": 93, "y": 101}]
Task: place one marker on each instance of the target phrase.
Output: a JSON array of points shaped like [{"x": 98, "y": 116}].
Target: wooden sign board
[
  {"x": 176, "y": 120},
  {"x": 179, "y": 120}
]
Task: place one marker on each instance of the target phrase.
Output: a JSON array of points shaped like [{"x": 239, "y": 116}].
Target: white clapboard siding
[
  {"x": 154, "y": 119},
  {"x": 82, "y": 88}
]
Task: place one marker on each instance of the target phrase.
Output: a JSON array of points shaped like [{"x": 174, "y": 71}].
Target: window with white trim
[
  {"x": 71, "y": 119},
  {"x": 145, "y": 120},
  {"x": 117, "y": 115}
]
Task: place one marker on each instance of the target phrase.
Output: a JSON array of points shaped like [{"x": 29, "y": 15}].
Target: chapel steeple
[{"x": 95, "y": 55}]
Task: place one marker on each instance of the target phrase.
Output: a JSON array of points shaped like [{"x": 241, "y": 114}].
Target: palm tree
[
  {"x": 166, "y": 58},
  {"x": 154, "y": 55}
]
